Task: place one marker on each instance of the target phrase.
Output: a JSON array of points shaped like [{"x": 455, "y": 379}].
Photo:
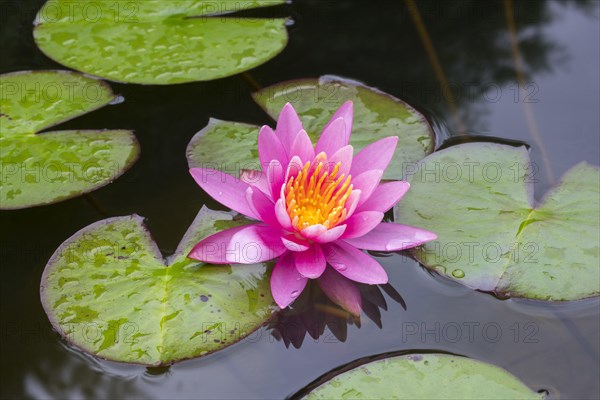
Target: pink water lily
[{"x": 317, "y": 209}]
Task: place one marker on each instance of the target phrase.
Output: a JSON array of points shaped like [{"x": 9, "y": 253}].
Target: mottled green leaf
[
  {"x": 156, "y": 41},
  {"x": 42, "y": 168},
  {"x": 478, "y": 198},
  {"x": 232, "y": 146},
  {"x": 425, "y": 376},
  {"x": 227, "y": 146},
  {"x": 108, "y": 290},
  {"x": 376, "y": 115}
]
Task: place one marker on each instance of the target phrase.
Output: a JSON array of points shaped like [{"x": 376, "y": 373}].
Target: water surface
[{"x": 553, "y": 347}]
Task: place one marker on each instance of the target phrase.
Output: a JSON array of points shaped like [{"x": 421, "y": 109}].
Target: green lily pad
[
  {"x": 232, "y": 146},
  {"x": 108, "y": 290},
  {"x": 227, "y": 146},
  {"x": 156, "y": 41},
  {"x": 43, "y": 168},
  {"x": 425, "y": 376},
  {"x": 376, "y": 115},
  {"x": 478, "y": 198}
]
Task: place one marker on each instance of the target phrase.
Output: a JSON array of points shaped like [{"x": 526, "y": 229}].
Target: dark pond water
[{"x": 552, "y": 347}]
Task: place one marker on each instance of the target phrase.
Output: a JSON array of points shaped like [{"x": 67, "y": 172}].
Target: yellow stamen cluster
[{"x": 317, "y": 196}]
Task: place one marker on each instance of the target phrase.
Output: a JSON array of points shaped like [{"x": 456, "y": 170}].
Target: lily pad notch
[
  {"x": 109, "y": 291},
  {"x": 39, "y": 168}
]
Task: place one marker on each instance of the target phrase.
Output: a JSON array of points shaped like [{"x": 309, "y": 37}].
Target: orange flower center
[{"x": 317, "y": 196}]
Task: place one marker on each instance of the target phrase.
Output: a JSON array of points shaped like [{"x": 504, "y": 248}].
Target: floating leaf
[
  {"x": 376, "y": 115},
  {"x": 45, "y": 168},
  {"x": 425, "y": 376},
  {"x": 478, "y": 198},
  {"x": 226, "y": 146},
  {"x": 108, "y": 290},
  {"x": 156, "y": 41}
]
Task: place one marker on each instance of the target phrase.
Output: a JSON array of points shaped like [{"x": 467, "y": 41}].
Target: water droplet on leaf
[{"x": 458, "y": 273}]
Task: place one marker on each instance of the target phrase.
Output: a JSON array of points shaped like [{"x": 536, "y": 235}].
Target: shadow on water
[{"x": 313, "y": 313}]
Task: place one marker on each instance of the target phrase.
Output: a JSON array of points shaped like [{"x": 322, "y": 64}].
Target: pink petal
[
  {"x": 352, "y": 202},
  {"x": 302, "y": 147},
  {"x": 385, "y": 196},
  {"x": 367, "y": 182},
  {"x": 311, "y": 263},
  {"x": 255, "y": 244},
  {"x": 313, "y": 231},
  {"x": 331, "y": 234},
  {"x": 375, "y": 156},
  {"x": 247, "y": 244},
  {"x": 292, "y": 243},
  {"x": 263, "y": 206},
  {"x": 344, "y": 157},
  {"x": 286, "y": 281},
  {"x": 362, "y": 223},
  {"x": 226, "y": 189},
  {"x": 282, "y": 215},
  {"x": 320, "y": 158},
  {"x": 256, "y": 179},
  {"x": 354, "y": 264},
  {"x": 294, "y": 167},
  {"x": 275, "y": 178},
  {"x": 288, "y": 126},
  {"x": 341, "y": 291},
  {"x": 392, "y": 237},
  {"x": 270, "y": 148},
  {"x": 333, "y": 138},
  {"x": 346, "y": 112},
  {"x": 212, "y": 249}
]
